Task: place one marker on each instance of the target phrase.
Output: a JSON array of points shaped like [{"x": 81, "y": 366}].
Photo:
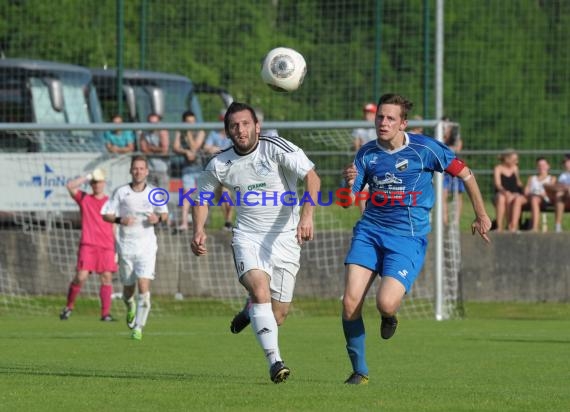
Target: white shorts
[
  {"x": 133, "y": 267},
  {"x": 278, "y": 255}
]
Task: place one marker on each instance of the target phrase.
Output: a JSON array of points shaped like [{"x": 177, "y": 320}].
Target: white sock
[
  {"x": 265, "y": 329},
  {"x": 143, "y": 308}
]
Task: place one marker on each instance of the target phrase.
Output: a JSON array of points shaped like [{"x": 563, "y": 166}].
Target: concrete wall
[
  {"x": 521, "y": 267},
  {"x": 516, "y": 267}
]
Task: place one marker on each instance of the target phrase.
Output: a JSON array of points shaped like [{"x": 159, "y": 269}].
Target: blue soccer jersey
[{"x": 400, "y": 183}]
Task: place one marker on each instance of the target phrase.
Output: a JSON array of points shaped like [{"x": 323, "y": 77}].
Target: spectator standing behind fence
[
  {"x": 130, "y": 207},
  {"x": 156, "y": 145},
  {"x": 119, "y": 141},
  {"x": 452, "y": 139},
  {"x": 97, "y": 245},
  {"x": 559, "y": 192},
  {"x": 361, "y": 136},
  {"x": 535, "y": 194},
  {"x": 417, "y": 129},
  {"x": 508, "y": 186},
  {"x": 188, "y": 143},
  {"x": 216, "y": 142},
  {"x": 264, "y": 132}
]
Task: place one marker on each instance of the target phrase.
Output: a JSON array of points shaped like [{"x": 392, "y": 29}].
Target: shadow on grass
[{"x": 35, "y": 371}]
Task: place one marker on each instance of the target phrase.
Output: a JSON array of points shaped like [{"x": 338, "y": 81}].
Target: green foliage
[{"x": 506, "y": 75}]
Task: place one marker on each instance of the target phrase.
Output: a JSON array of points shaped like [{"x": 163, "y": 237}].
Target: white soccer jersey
[
  {"x": 261, "y": 178},
  {"x": 126, "y": 202}
]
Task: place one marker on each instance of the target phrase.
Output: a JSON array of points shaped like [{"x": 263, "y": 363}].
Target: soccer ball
[{"x": 283, "y": 69}]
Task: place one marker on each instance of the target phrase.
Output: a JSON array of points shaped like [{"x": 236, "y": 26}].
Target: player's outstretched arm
[
  {"x": 199, "y": 216},
  {"x": 305, "y": 228},
  {"x": 482, "y": 223}
]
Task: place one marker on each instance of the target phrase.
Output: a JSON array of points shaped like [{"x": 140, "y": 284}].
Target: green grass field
[{"x": 499, "y": 358}]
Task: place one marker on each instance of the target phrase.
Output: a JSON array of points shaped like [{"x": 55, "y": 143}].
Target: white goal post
[{"x": 41, "y": 231}]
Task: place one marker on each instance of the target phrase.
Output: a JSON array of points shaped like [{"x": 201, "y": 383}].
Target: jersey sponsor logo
[
  {"x": 256, "y": 186},
  {"x": 401, "y": 164},
  {"x": 389, "y": 179}
]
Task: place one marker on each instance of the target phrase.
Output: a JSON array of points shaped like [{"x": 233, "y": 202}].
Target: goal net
[{"x": 41, "y": 228}]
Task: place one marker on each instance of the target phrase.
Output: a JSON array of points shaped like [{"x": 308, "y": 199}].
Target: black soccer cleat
[
  {"x": 388, "y": 326},
  {"x": 65, "y": 313},
  {"x": 107, "y": 318},
  {"x": 357, "y": 379},
  {"x": 240, "y": 321},
  {"x": 279, "y": 372}
]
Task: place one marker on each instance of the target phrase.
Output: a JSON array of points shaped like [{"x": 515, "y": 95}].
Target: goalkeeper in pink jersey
[{"x": 97, "y": 245}]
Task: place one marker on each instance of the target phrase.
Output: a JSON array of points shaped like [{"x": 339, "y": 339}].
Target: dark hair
[
  {"x": 188, "y": 113},
  {"x": 154, "y": 114},
  {"x": 392, "y": 98},
  {"x": 238, "y": 107},
  {"x": 139, "y": 158},
  {"x": 538, "y": 159}
]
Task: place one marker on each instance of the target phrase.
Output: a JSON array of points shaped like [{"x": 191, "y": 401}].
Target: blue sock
[{"x": 355, "y": 338}]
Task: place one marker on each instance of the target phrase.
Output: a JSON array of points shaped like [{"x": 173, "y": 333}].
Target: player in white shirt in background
[
  {"x": 131, "y": 208},
  {"x": 268, "y": 233}
]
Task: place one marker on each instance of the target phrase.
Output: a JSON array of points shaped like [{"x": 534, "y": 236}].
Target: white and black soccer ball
[{"x": 283, "y": 69}]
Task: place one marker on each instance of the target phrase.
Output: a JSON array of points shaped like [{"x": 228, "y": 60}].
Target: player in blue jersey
[{"x": 390, "y": 239}]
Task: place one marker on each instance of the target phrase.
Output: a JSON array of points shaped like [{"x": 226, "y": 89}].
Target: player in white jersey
[
  {"x": 262, "y": 173},
  {"x": 131, "y": 208}
]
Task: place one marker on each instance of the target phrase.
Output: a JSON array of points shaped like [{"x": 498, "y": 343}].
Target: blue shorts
[
  {"x": 453, "y": 184},
  {"x": 395, "y": 256}
]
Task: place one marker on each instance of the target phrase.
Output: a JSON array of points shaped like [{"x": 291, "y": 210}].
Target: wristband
[{"x": 118, "y": 220}]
